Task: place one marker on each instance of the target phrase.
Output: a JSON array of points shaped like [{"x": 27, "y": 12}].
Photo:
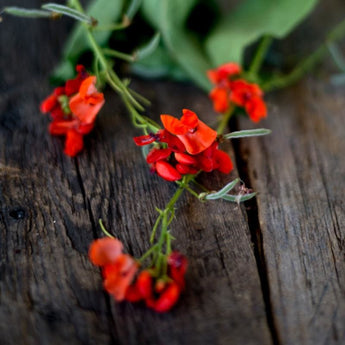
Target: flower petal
[
  {"x": 223, "y": 72},
  {"x": 189, "y": 118},
  {"x": 144, "y": 284},
  {"x": 174, "y": 143},
  {"x": 182, "y": 169},
  {"x": 173, "y": 125},
  {"x": 167, "y": 299},
  {"x": 119, "y": 276},
  {"x": 184, "y": 158},
  {"x": 105, "y": 251},
  {"x": 256, "y": 109},
  {"x": 167, "y": 171},
  {"x": 198, "y": 141},
  {"x": 144, "y": 139},
  {"x": 157, "y": 155},
  {"x": 86, "y": 104},
  {"x": 49, "y": 103},
  {"x": 74, "y": 143},
  {"x": 62, "y": 127},
  {"x": 221, "y": 99},
  {"x": 222, "y": 161}
]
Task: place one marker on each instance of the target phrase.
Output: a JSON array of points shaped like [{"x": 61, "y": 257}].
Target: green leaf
[
  {"x": 222, "y": 192},
  {"x": 70, "y": 12},
  {"x": 147, "y": 49},
  {"x": 250, "y": 20},
  {"x": 133, "y": 9},
  {"x": 158, "y": 65},
  {"x": 26, "y": 12},
  {"x": 106, "y": 12},
  {"x": 169, "y": 17},
  {"x": 239, "y": 198},
  {"x": 247, "y": 133}
]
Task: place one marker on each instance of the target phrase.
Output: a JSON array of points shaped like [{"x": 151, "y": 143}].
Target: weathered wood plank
[
  {"x": 299, "y": 174},
  {"x": 49, "y": 292}
]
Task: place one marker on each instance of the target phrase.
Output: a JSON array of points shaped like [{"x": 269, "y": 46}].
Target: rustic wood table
[{"x": 268, "y": 272}]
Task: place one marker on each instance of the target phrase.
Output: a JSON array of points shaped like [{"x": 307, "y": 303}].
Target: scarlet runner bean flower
[
  {"x": 190, "y": 146},
  {"x": 118, "y": 269},
  {"x": 230, "y": 89},
  {"x": 121, "y": 280},
  {"x": 73, "y": 108}
]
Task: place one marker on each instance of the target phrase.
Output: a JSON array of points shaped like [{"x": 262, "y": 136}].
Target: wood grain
[
  {"x": 49, "y": 291},
  {"x": 298, "y": 172}
]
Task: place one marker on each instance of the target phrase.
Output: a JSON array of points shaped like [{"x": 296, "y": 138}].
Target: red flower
[
  {"x": 228, "y": 91},
  {"x": 177, "y": 264},
  {"x": 194, "y": 134},
  {"x": 118, "y": 269},
  {"x": 162, "y": 293},
  {"x": 119, "y": 275},
  {"x": 73, "y": 109},
  {"x": 167, "y": 171},
  {"x": 223, "y": 73},
  {"x": 220, "y": 98},
  {"x": 191, "y": 147},
  {"x": 167, "y": 298},
  {"x": 249, "y": 96},
  {"x": 105, "y": 251}
]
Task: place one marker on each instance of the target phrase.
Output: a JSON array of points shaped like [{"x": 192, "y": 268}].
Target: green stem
[
  {"x": 308, "y": 63},
  {"x": 104, "y": 229},
  {"x": 260, "y": 56},
  {"x": 111, "y": 27},
  {"x": 164, "y": 219},
  {"x": 155, "y": 226},
  {"x": 200, "y": 186},
  {"x": 140, "y": 97},
  {"x": 224, "y": 121},
  {"x": 168, "y": 241},
  {"x": 148, "y": 253},
  {"x": 117, "y": 54},
  {"x": 191, "y": 191}
]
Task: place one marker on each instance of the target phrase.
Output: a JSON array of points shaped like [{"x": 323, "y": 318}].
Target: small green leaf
[
  {"x": 133, "y": 9},
  {"x": 250, "y": 20},
  {"x": 70, "y": 12},
  {"x": 247, "y": 133},
  {"x": 238, "y": 198},
  {"x": 147, "y": 49},
  {"x": 26, "y": 12},
  {"x": 222, "y": 192}
]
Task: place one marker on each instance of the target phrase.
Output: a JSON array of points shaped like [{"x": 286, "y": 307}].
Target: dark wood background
[{"x": 270, "y": 272}]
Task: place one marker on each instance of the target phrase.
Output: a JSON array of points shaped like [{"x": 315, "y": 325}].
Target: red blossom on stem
[
  {"x": 228, "y": 91},
  {"x": 73, "y": 108},
  {"x": 194, "y": 134},
  {"x": 123, "y": 283},
  {"x": 118, "y": 269},
  {"x": 191, "y": 146}
]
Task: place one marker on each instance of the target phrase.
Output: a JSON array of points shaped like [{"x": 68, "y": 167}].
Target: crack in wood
[{"x": 251, "y": 207}]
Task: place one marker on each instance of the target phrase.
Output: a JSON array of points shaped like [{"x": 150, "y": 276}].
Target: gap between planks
[{"x": 251, "y": 207}]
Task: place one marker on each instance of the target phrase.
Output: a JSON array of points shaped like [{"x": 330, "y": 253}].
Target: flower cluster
[
  {"x": 123, "y": 282},
  {"x": 73, "y": 108},
  {"x": 229, "y": 90},
  {"x": 186, "y": 146}
]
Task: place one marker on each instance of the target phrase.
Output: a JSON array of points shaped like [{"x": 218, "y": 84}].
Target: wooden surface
[{"x": 269, "y": 273}]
